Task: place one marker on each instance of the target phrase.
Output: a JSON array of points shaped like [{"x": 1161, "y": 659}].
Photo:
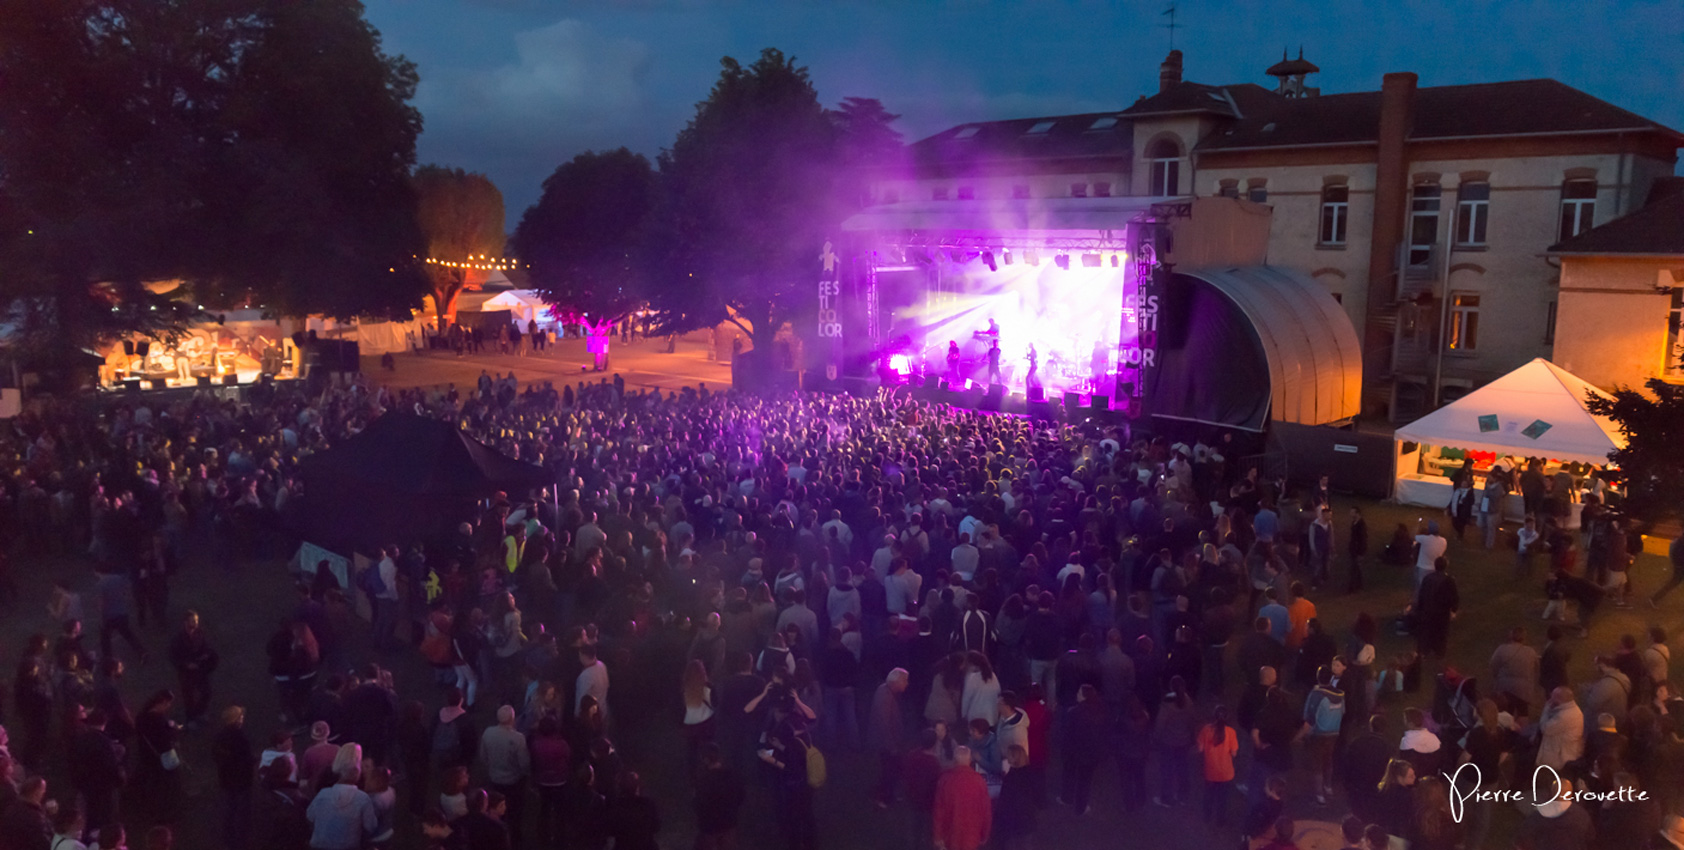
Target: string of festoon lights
[{"x": 478, "y": 261}]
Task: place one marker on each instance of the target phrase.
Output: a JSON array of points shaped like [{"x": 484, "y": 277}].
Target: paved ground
[
  {"x": 242, "y": 603},
  {"x": 644, "y": 363}
]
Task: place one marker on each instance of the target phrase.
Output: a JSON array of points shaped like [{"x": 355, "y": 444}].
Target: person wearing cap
[{"x": 319, "y": 756}]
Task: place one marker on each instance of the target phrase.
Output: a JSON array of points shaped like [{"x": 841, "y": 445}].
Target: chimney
[
  {"x": 1391, "y": 197},
  {"x": 1169, "y": 73}
]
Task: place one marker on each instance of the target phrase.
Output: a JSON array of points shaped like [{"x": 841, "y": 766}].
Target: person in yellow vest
[{"x": 514, "y": 547}]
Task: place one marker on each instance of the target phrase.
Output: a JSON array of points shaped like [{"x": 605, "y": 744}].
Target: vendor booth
[
  {"x": 1536, "y": 411},
  {"x": 523, "y": 305}
]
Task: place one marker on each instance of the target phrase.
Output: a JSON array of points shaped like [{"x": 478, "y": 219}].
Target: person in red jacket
[{"x": 963, "y": 813}]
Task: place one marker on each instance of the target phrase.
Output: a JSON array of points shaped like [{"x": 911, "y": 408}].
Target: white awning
[{"x": 1497, "y": 417}]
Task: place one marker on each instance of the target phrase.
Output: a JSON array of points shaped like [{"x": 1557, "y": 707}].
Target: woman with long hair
[
  {"x": 980, "y": 698},
  {"x": 1218, "y": 743},
  {"x": 1434, "y": 827},
  {"x": 698, "y": 708},
  {"x": 1394, "y": 809},
  {"x": 947, "y": 692}
]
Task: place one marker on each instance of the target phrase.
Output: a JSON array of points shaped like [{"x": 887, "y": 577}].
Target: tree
[
  {"x": 581, "y": 239},
  {"x": 748, "y": 201},
  {"x": 256, "y": 149},
  {"x": 462, "y": 216},
  {"x": 1651, "y": 466},
  {"x": 867, "y": 143}
]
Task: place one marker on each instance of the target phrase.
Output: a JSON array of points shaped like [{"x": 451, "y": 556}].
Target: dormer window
[
  {"x": 1108, "y": 122},
  {"x": 967, "y": 132},
  {"x": 1164, "y": 158},
  {"x": 1041, "y": 128}
]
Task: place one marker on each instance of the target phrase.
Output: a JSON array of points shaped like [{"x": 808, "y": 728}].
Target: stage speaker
[
  {"x": 1040, "y": 410},
  {"x": 132, "y": 385},
  {"x": 204, "y": 381},
  {"x": 1072, "y": 400},
  {"x": 932, "y": 381},
  {"x": 1100, "y": 402},
  {"x": 1037, "y": 394},
  {"x": 992, "y": 398},
  {"x": 141, "y": 348},
  {"x": 232, "y": 379},
  {"x": 159, "y": 383}
]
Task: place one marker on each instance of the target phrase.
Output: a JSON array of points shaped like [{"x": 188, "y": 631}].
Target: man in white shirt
[
  {"x": 843, "y": 532},
  {"x": 589, "y": 536},
  {"x": 902, "y": 586},
  {"x": 884, "y": 557},
  {"x": 1429, "y": 547},
  {"x": 965, "y": 557},
  {"x": 593, "y": 680}
]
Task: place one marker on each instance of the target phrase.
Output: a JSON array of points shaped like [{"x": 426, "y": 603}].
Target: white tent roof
[
  {"x": 1540, "y": 391},
  {"x": 516, "y": 299}
]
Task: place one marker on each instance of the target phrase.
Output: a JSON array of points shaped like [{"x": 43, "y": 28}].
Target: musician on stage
[
  {"x": 1031, "y": 380},
  {"x": 953, "y": 360},
  {"x": 993, "y": 361}
]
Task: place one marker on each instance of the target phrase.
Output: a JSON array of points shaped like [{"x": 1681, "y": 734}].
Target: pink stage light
[{"x": 900, "y": 364}]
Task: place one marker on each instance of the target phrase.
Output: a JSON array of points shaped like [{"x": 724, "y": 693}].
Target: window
[
  {"x": 1335, "y": 209},
  {"x": 1020, "y": 191},
  {"x": 1464, "y": 322},
  {"x": 1040, "y": 128},
  {"x": 1108, "y": 122},
  {"x": 1578, "y": 207},
  {"x": 1673, "y": 368},
  {"x": 967, "y": 132},
  {"x": 1549, "y": 325},
  {"x": 1258, "y": 194},
  {"x": 1473, "y": 211},
  {"x": 1102, "y": 189},
  {"x": 1165, "y": 159},
  {"x": 967, "y": 193},
  {"x": 1423, "y": 222},
  {"x": 939, "y": 194},
  {"x": 1228, "y": 188},
  {"x": 1078, "y": 190}
]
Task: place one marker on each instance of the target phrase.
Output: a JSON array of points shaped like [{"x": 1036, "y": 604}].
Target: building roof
[
  {"x": 1288, "y": 67},
  {"x": 1512, "y": 406},
  {"x": 1657, "y": 228},
  {"x": 1092, "y": 134},
  {"x": 1515, "y": 108}
]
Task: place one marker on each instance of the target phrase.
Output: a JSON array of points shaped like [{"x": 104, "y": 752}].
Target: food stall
[{"x": 1536, "y": 411}]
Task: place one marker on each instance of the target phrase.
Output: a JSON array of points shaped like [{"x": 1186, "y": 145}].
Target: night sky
[{"x": 515, "y": 87}]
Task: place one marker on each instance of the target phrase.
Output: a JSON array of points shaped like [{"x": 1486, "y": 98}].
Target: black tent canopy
[{"x": 404, "y": 478}]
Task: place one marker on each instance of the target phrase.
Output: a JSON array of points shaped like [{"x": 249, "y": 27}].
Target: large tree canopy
[
  {"x": 748, "y": 201},
  {"x": 582, "y": 239},
  {"x": 1652, "y": 464},
  {"x": 257, "y": 149},
  {"x": 461, "y": 215}
]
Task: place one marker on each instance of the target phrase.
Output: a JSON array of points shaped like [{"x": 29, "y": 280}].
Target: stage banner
[
  {"x": 1137, "y": 353},
  {"x": 828, "y": 332}
]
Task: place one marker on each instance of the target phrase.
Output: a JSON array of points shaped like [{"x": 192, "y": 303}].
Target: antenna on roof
[{"x": 1172, "y": 26}]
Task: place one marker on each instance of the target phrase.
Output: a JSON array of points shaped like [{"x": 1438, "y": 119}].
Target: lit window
[
  {"x": 967, "y": 193},
  {"x": 1102, "y": 189},
  {"x": 1258, "y": 194},
  {"x": 1164, "y": 156},
  {"x": 1078, "y": 190},
  {"x": 1020, "y": 191},
  {"x": 1473, "y": 211},
  {"x": 939, "y": 194},
  {"x": 1578, "y": 207},
  {"x": 1040, "y": 128},
  {"x": 1335, "y": 211},
  {"x": 1673, "y": 368},
  {"x": 1464, "y": 322}
]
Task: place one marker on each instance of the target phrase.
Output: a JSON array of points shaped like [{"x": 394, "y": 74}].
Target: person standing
[
  {"x": 922, "y": 768},
  {"x": 1562, "y": 727},
  {"x": 502, "y": 749},
  {"x": 1675, "y": 555},
  {"x": 1356, "y": 546},
  {"x": 994, "y": 363},
  {"x": 1429, "y": 547},
  {"x": 1218, "y": 743},
  {"x": 719, "y": 798},
  {"x": 886, "y": 735},
  {"x": 116, "y": 603},
  {"x": 96, "y": 768},
  {"x": 1087, "y": 733},
  {"x": 1514, "y": 668},
  {"x": 1321, "y": 546},
  {"x": 194, "y": 661},
  {"x": 963, "y": 812},
  {"x": 342, "y": 815},
  {"x": 1438, "y": 604},
  {"x": 236, "y": 770}
]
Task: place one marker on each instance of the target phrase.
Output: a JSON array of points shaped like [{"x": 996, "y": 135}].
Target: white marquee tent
[
  {"x": 523, "y": 305},
  {"x": 1537, "y": 410}
]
